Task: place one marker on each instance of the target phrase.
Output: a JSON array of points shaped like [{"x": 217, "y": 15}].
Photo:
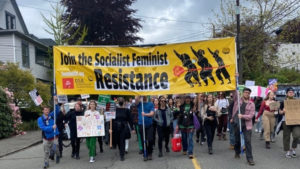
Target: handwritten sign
[
  {"x": 292, "y": 112},
  {"x": 90, "y": 126},
  {"x": 274, "y": 106}
]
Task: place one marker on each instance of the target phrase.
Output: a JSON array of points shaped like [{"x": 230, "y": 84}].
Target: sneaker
[
  {"x": 294, "y": 154},
  {"x": 210, "y": 151},
  {"x": 122, "y": 158},
  {"x": 160, "y": 154},
  {"x": 256, "y": 131},
  {"x": 288, "y": 154},
  {"x": 202, "y": 142},
  {"x": 57, "y": 159},
  {"x": 184, "y": 153},
  {"x": 237, "y": 156},
  {"x": 231, "y": 147},
  {"x": 191, "y": 156},
  {"x": 92, "y": 159},
  {"x": 268, "y": 145},
  {"x": 145, "y": 158},
  {"x": 251, "y": 162},
  {"x": 167, "y": 149},
  {"x": 46, "y": 165},
  {"x": 77, "y": 157}
]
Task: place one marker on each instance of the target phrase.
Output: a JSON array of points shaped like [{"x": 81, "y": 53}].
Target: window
[
  {"x": 10, "y": 20},
  {"x": 25, "y": 55},
  {"x": 41, "y": 57}
]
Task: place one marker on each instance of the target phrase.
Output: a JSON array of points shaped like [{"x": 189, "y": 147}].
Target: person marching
[
  {"x": 147, "y": 114},
  {"x": 49, "y": 133},
  {"x": 268, "y": 117},
  {"x": 135, "y": 119},
  {"x": 209, "y": 113},
  {"x": 247, "y": 111},
  {"x": 223, "y": 104},
  {"x": 91, "y": 141},
  {"x": 75, "y": 141},
  {"x": 200, "y": 104},
  {"x": 289, "y": 129},
  {"x": 163, "y": 117},
  {"x": 186, "y": 126},
  {"x": 120, "y": 126}
]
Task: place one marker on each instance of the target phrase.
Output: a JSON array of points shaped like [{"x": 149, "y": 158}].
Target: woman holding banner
[
  {"x": 209, "y": 113},
  {"x": 120, "y": 126},
  {"x": 268, "y": 117},
  {"x": 91, "y": 141}
]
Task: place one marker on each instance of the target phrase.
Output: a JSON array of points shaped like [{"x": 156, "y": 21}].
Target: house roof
[
  {"x": 29, "y": 38},
  {"x": 14, "y": 4}
]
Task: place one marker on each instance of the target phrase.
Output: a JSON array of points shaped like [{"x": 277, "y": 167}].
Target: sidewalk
[{"x": 18, "y": 143}]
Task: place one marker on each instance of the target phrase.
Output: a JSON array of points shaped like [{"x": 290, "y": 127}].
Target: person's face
[
  {"x": 201, "y": 97},
  {"x": 290, "y": 94},
  {"x": 162, "y": 101},
  {"x": 187, "y": 100},
  {"x": 46, "y": 111},
  {"x": 92, "y": 105},
  {"x": 77, "y": 107},
  {"x": 271, "y": 95},
  {"x": 246, "y": 94},
  {"x": 170, "y": 101},
  {"x": 155, "y": 101},
  {"x": 209, "y": 98}
]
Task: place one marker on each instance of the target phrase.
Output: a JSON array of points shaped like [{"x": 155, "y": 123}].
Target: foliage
[
  {"x": 287, "y": 76},
  {"x": 290, "y": 31},
  {"x": 6, "y": 119},
  {"x": 109, "y": 22},
  {"x": 259, "y": 18},
  {"x": 29, "y": 125},
  {"x": 20, "y": 82}
]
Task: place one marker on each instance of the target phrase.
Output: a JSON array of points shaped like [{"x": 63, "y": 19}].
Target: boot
[
  {"x": 224, "y": 137},
  {"x": 268, "y": 145}
]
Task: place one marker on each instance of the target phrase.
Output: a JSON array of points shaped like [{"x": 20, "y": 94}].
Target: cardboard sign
[
  {"x": 90, "y": 126},
  {"x": 85, "y": 96},
  {"x": 110, "y": 115},
  {"x": 274, "y": 106},
  {"x": 292, "y": 112},
  {"x": 62, "y": 98}
]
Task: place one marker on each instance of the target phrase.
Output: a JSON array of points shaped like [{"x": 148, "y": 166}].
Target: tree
[
  {"x": 109, "y": 22},
  {"x": 290, "y": 31},
  {"x": 20, "y": 82},
  {"x": 259, "y": 18},
  {"x": 6, "y": 119}
]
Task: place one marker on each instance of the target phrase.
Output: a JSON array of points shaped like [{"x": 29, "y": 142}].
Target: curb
[{"x": 15, "y": 151}]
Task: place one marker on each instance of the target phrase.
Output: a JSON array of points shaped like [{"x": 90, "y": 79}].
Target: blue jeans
[
  {"x": 231, "y": 134},
  {"x": 174, "y": 125},
  {"x": 187, "y": 141},
  {"x": 259, "y": 123}
]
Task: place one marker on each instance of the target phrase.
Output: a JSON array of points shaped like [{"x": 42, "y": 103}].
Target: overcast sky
[{"x": 163, "y": 21}]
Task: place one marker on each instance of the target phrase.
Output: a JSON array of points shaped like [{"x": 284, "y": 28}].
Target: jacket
[
  {"x": 185, "y": 119},
  {"x": 46, "y": 124},
  {"x": 158, "y": 117},
  {"x": 204, "y": 115},
  {"x": 249, "y": 112},
  {"x": 71, "y": 117}
]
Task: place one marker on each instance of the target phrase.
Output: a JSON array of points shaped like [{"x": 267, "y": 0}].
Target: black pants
[
  {"x": 247, "y": 138},
  {"x": 154, "y": 124},
  {"x": 60, "y": 139},
  {"x": 100, "y": 141},
  {"x": 149, "y": 138},
  {"x": 75, "y": 142},
  {"x": 119, "y": 139},
  {"x": 163, "y": 134},
  {"x": 200, "y": 131},
  {"x": 107, "y": 126},
  {"x": 210, "y": 129}
]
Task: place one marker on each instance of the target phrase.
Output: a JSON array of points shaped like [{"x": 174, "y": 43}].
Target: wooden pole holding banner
[{"x": 110, "y": 133}]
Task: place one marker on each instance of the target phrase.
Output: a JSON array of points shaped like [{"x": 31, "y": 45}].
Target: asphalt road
[{"x": 223, "y": 158}]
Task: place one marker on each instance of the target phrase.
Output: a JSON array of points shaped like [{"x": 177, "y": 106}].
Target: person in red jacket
[{"x": 268, "y": 117}]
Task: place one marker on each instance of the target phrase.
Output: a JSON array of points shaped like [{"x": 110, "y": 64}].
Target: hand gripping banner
[{"x": 192, "y": 67}]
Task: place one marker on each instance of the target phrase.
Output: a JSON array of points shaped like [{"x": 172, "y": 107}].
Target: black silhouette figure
[
  {"x": 222, "y": 68},
  {"x": 206, "y": 71},
  {"x": 192, "y": 69}
]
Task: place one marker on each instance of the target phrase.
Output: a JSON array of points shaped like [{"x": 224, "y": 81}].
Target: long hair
[
  {"x": 206, "y": 101},
  {"x": 268, "y": 95},
  {"x": 92, "y": 101},
  {"x": 160, "y": 97}
]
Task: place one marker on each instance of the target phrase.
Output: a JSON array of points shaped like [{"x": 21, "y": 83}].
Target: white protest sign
[
  {"x": 90, "y": 126},
  {"x": 62, "y": 98},
  {"x": 36, "y": 98}
]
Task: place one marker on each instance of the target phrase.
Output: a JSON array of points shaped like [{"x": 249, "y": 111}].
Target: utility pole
[
  {"x": 240, "y": 59},
  {"x": 213, "y": 31}
]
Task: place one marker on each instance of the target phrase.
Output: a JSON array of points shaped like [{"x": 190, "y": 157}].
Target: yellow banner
[{"x": 192, "y": 67}]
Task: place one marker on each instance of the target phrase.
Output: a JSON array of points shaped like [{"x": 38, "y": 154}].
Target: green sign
[{"x": 103, "y": 99}]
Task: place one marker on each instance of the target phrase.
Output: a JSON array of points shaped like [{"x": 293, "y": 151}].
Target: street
[{"x": 223, "y": 158}]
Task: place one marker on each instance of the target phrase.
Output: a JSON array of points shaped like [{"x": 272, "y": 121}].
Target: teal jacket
[{"x": 158, "y": 117}]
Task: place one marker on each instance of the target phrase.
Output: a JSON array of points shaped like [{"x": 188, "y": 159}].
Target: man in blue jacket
[{"x": 49, "y": 133}]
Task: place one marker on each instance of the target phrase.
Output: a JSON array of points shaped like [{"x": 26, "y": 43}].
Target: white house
[
  {"x": 18, "y": 46},
  {"x": 289, "y": 55}
]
